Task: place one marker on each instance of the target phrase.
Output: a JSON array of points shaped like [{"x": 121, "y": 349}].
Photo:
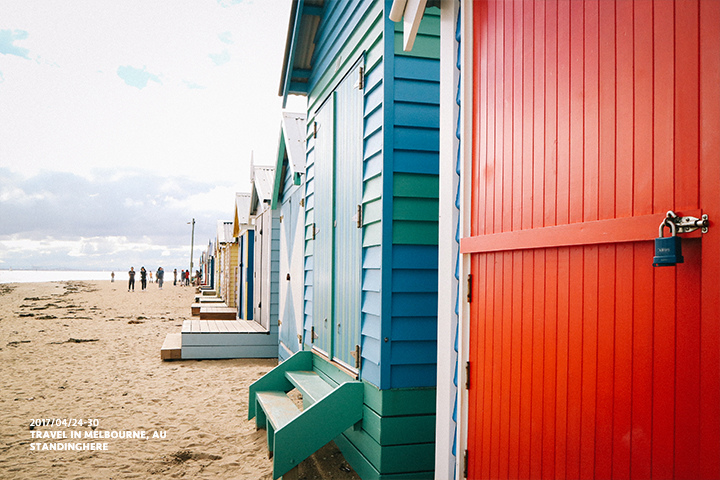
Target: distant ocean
[{"x": 25, "y": 276}]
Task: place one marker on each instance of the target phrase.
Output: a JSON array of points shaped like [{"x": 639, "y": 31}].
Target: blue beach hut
[
  {"x": 243, "y": 231},
  {"x": 367, "y": 368},
  {"x": 288, "y": 199}
]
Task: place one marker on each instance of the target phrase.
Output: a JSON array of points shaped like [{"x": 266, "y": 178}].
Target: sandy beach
[{"x": 87, "y": 354}]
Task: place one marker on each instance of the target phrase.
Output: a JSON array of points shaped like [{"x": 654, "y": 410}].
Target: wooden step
[
  {"x": 202, "y": 299},
  {"x": 310, "y": 384},
  {"x": 293, "y": 434},
  {"x": 278, "y": 407},
  {"x": 172, "y": 347},
  {"x": 217, "y": 313}
]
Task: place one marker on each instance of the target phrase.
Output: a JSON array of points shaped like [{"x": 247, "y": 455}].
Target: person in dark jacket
[
  {"x": 143, "y": 277},
  {"x": 131, "y": 279}
]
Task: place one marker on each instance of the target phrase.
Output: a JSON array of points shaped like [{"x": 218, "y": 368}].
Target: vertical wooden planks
[
  {"x": 516, "y": 367},
  {"x": 538, "y": 363},
  {"x": 551, "y": 113},
  {"x": 589, "y": 360},
  {"x": 622, "y": 392},
  {"x": 514, "y": 139},
  {"x": 590, "y": 259},
  {"x": 643, "y": 109},
  {"x": 595, "y": 367},
  {"x": 496, "y": 316},
  {"x": 524, "y": 79},
  {"x": 686, "y": 105},
  {"x": 624, "y": 174},
  {"x": 591, "y": 53},
  {"x": 710, "y": 200},
  {"x": 526, "y": 362},
  {"x": 507, "y": 358},
  {"x": 605, "y": 362},
  {"x": 687, "y": 390},
  {"x": 563, "y": 112},
  {"x": 550, "y": 359},
  {"x": 488, "y": 362},
  {"x": 607, "y": 104},
  {"x": 642, "y": 393},
  {"x": 642, "y": 364},
  {"x": 563, "y": 362},
  {"x": 663, "y": 409},
  {"x": 575, "y": 351},
  {"x": 538, "y": 194},
  {"x": 576, "y": 112},
  {"x": 663, "y": 106}
]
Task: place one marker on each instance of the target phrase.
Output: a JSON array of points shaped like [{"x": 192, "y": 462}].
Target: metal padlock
[{"x": 668, "y": 250}]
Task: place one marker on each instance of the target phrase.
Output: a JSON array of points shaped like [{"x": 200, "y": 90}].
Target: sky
[{"x": 122, "y": 121}]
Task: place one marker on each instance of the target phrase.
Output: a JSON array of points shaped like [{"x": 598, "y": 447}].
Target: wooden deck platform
[
  {"x": 222, "y": 326},
  {"x": 215, "y": 339}
]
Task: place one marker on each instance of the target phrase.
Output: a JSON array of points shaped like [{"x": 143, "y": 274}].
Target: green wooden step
[
  {"x": 278, "y": 408},
  {"x": 293, "y": 435},
  {"x": 310, "y": 384}
]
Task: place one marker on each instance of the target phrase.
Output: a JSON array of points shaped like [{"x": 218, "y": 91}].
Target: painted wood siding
[
  {"x": 349, "y": 30},
  {"x": 274, "y": 268},
  {"x": 233, "y": 275},
  {"x": 399, "y": 181},
  {"x": 267, "y": 258},
  {"x": 413, "y": 187},
  {"x": 292, "y": 222},
  {"x": 585, "y": 361}
]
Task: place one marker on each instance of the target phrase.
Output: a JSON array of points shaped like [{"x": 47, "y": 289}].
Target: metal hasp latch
[
  {"x": 688, "y": 224},
  {"x": 668, "y": 250}
]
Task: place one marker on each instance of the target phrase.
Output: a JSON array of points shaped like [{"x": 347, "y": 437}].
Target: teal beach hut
[
  {"x": 289, "y": 200},
  {"x": 367, "y": 362}
]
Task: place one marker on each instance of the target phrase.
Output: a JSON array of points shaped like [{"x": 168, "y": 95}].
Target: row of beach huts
[{"x": 451, "y": 255}]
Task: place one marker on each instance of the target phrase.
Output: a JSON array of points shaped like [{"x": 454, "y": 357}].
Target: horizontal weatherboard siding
[{"x": 415, "y": 190}]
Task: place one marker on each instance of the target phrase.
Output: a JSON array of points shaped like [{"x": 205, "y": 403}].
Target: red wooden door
[{"x": 591, "y": 120}]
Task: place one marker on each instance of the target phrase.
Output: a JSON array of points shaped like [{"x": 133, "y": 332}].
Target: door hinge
[
  {"x": 281, "y": 218},
  {"x": 314, "y": 129},
  {"x": 359, "y": 216},
  {"x": 469, "y": 287},
  {"x": 357, "y": 355},
  {"x": 361, "y": 80},
  {"x": 312, "y": 334},
  {"x": 465, "y": 464},
  {"x": 302, "y": 202},
  {"x": 314, "y": 231},
  {"x": 467, "y": 375},
  {"x": 299, "y": 338}
]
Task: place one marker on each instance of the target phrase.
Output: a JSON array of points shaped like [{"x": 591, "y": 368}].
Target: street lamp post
[{"x": 192, "y": 244}]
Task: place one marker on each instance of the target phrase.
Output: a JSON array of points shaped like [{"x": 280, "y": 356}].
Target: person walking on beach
[
  {"x": 112, "y": 277},
  {"x": 131, "y": 280},
  {"x": 143, "y": 277},
  {"x": 150, "y": 273},
  {"x": 175, "y": 277},
  {"x": 159, "y": 276}
]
